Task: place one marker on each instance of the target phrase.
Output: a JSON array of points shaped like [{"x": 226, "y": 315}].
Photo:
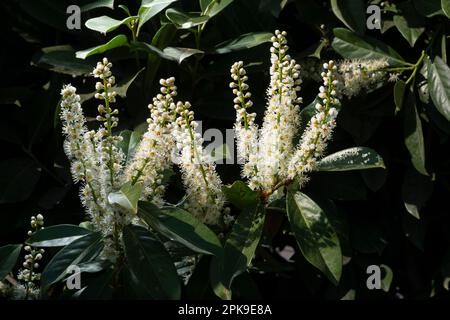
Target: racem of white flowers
[
  {"x": 99, "y": 164},
  {"x": 271, "y": 159}
]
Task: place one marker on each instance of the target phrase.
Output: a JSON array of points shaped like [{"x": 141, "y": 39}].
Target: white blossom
[
  {"x": 152, "y": 157},
  {"x": 205, "y": 199},
  {"x": 266, "y": 151},
  {"x": 320, "y": 126}
]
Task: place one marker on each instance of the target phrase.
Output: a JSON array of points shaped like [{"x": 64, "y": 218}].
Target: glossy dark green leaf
[
  {"x": 118, "y": 41},
  {"x": 245, "y": 41},
  {"x": 181, "y": 226},
  {"x": 129, "y": 143},
  {"x": 241, "y": 244},
  {"x": 445, "y": 4},
  {"x": 315, "y": 235},
  {"x": 97, "y": 288},
  {"x": 413, "y": 132},
  {"x": 351, "y": 13},
  {"x": 122, "y": 87},
  {"x": 61, "y": 59},
  {"x": 439, "y": 86},
  {"x": 410, "y": 24},
  {"x": 184, "y": 20},
  {"x": 176, "y": 54},
  {"x": 84, "y": 249},
  {"x": 213, "y": 7},
  {"x": 105, "y": 24},
  {"x": 240, "y": 195},
  {"x": 387, "y": 279},
  {"x": 217, "y": 286},
  {"x": 353, "y": 46},
  {"x": 127, "y": 197},
  {"x": 57, "y": 236},
  {"x": 18, "y": 177},
  {"x": 416, "y": 190},
  {"x": 150, "y": 263},
  {"x": 399, "y": 94},
  {"x": 356, "y": 158},
  {"x": 150, "y": 9},
  {"x": 97, "y": 4},
  {"x": 8, "y": 258}
]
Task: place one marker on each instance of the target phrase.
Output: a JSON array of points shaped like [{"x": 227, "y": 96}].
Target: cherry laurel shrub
[{"x": 135, "y": 241}]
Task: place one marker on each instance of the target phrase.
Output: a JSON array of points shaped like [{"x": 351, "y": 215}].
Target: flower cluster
[
  {"x": 358, "y": 75},
  {"x": 266, "y": 150},
  {"x": 98, "y": 162},
  {"x": 152, "y": 157},
  {"x": 320, "y": 126},
  {"x": 203, "y": 185},
  {"x": 354, "y": 75},
  {"x": 26, "y": 288},
  {"x": 269, "y": 152}
]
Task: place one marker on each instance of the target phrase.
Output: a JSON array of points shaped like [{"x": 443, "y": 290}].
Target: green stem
[
  {"x": 109, "y": 130},
  {"x": 416, "y": 67}
]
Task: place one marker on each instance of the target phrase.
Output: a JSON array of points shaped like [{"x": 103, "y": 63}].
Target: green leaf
[
  {"x": 8, "y": 258},
  {"x": 416, "y": 190},
  {"x": 118, "y": 41},
  {"x": 213, "y": 7},
  {"x": 240, "y": 195},
  {"x": 176, "y": 54},
  {"x": 127, "y": 197},
  {"x": 351, "y": 13},
  {"x": 445, "y": 4},
  {"x": 183, "y": 20},
  {"x": 85, "y": 249},
  {"x": 217, "y": 286},
  {"x": 413, "y": 133},
  {"x": 181, "y": 226},
  {"x": 129, "y": 143},
  {"x": 244, "y": 41},
  {"x": 399, "y": 95},
  {"x": 204, "y": 4},
  {"x": 410, "y": 24},
  {"x": 97, "y": 288},
  {"x": 150, "y": 263},
  {"x": 315, "y": 235},
  {"x": 87, "y": 225},
  {"x": 387, "y": 279},
  {"x": 357, "y": 158},
  {"x": 98, "y": 4},
  {"x": 18, "y": 177},
  {"x": 121, "y": 88},
  {"x": 151, "y": 9},
  {"x": 125, "y": 9},
  {"x": 439, "y": 86},
  {"x": 242, "y": 242},
  {"x": 57, "y": 236},
  {"x": 350, "y": 295},
  {"x": 105, "y": 24},
  {"x": 350, "y": 45},
  {"x": 61, "y": 59},
  {"x": 428, "y": 8}
]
